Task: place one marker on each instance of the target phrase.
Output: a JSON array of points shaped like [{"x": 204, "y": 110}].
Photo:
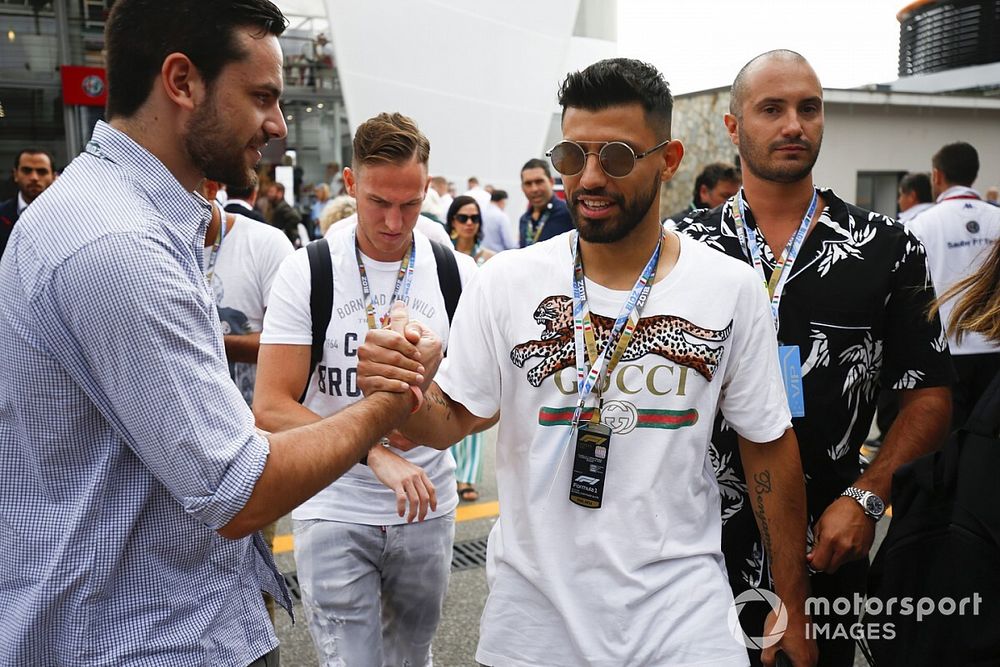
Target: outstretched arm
[
  {"x": 778, "y": 499},
  {"x": 242, "y": 347},
  {"x": 441, "y": 422},
  {"x": 305, "y": 460}
]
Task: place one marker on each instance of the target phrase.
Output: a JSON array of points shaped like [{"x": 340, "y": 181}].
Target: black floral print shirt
[{"x": 856, "y": 305}]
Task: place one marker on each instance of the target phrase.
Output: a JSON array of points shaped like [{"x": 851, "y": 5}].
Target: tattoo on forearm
[
  {"x": 763, "y": 481},
  {"x": 434, "y": 397},
  {"x": 762, "y": 486}
]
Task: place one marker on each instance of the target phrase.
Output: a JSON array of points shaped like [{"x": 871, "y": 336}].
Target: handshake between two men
[{"x": 404, "y": 357}]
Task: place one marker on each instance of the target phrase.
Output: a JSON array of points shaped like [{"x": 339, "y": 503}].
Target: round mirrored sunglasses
[{"x": 617, "y": 158}]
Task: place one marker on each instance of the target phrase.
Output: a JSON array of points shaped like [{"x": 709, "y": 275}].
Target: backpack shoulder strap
[
  {"x": 448, "y": 278},
  {"x": 320, "y": 302}
]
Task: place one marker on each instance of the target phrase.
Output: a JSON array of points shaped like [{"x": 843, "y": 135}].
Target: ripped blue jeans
[{"x": 372, "y": 595}]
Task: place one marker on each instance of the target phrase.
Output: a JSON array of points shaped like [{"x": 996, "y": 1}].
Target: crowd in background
[{"x": 178, "y": 377}]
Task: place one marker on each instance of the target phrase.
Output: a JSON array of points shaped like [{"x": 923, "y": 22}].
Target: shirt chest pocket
[{"x": 852, "y": 337}]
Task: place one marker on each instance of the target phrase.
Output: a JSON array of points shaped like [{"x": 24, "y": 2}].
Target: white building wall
[
  {"x": 478, "y": 77},
  {"x": 902, "y": 138}
]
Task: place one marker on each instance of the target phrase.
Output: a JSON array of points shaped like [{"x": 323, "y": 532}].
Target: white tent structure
[{"x": 479, "y": 76}]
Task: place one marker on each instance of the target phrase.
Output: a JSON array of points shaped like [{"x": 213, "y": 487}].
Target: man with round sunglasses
[
  {"x": 547, "y": 215},
  {"x": 607, "y": 550},
  {"x": 850, "y": 292}
]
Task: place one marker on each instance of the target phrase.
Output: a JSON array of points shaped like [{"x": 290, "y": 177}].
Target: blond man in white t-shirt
[{"x": 373, "y": 579}]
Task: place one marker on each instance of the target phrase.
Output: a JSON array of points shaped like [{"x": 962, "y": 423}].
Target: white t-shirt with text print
[{"x": 358, "y": 496}]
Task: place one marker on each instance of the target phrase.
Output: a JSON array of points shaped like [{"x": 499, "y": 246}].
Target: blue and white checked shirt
[{"x": 123, "y": 442}]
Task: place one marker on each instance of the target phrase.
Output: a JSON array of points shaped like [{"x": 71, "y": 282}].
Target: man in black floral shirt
[{"x": 850, "y": 292}]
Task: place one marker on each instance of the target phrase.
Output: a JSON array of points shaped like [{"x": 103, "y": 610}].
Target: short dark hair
[
  {"x": 710, "y": 177},
  {"x": 739, "y": 88},
  {"x": 140, "y": 34},
  {"x": 958, "y": 162},
  {"x": 456, "y": 204},
  {"x": 619, "y": 81},
  {"x": 241, "y": 192},
  {"x": 918, "y": 183},
  {"x": 535, "y": 163},
  {"x": 34, "y": 151},
  {"x": 498, "y": 195}
]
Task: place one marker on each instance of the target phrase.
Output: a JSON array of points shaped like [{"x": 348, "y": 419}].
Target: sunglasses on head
[
  {"x": 617, "y": 158},
  {"x": 464, "y": 218}
]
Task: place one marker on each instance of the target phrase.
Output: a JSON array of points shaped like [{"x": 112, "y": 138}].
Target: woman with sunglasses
[{"x": 465, "y": 226}]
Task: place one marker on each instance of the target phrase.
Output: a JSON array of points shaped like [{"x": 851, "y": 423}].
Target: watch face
[{"x": 874, "y": 505}]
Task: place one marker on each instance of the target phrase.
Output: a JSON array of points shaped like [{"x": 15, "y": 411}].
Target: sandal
[{"x": 467, "y": 493}]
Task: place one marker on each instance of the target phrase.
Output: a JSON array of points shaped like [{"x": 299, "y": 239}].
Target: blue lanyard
[
  {"x": 783, "y": 268},
  {"x": 401, "y": 292},
  {"x": 620, "y": 335}
]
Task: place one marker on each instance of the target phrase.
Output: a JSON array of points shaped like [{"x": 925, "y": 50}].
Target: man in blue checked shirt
[{"x": 134, "y": 480}]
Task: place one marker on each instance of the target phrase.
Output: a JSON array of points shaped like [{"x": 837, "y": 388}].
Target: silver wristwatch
[{"x": 873, "y": 506}]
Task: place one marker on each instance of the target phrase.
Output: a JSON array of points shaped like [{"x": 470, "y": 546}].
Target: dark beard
[
  {"x": 756, "y": 163},
  {"x": 208, "y": 145},
  {"x": 614, "y": 230}
]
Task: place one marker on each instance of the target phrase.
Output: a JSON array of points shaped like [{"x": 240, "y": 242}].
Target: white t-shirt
[
  {"x": 640, "y": 581},
  {"x": 358, "y": 496},
  {"x": 909, "y": 214},
  {"x": 958, "y": 235},
  {"x": 247, "y": 263}
]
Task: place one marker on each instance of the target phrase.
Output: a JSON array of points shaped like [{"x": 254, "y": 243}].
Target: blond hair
[
  {"x": 390, "y": 138},
  {"x": 336, "y": 210},
  {"x": 978, "y": 306}
]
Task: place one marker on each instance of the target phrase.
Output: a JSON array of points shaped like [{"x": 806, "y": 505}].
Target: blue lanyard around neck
[
  {"x": 620, "y": 335},
  {"x": 783, "y": 267}
]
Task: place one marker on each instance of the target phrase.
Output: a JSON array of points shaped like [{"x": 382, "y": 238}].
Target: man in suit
[
  {"x": 33, "y": 173},
  {"x": 283, "y": 216}
]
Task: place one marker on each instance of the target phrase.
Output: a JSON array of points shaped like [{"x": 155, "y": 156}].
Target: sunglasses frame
[
  {"x": 635, "y": 156},
  {"x": 469, "y": 218}
]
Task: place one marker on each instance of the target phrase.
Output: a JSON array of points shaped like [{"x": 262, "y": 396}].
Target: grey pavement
[{"x": 458, "y": 633}]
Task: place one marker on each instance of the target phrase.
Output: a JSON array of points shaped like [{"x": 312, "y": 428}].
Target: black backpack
[
  {"x": 321, "y": 296},
  {"x": 943, "y": 545}
]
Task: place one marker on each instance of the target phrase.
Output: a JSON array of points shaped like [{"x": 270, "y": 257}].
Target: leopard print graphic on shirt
[{"x": 662, "y": 335}]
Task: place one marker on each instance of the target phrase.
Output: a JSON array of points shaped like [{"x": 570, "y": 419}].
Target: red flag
[{"x": 85, "y": 86}]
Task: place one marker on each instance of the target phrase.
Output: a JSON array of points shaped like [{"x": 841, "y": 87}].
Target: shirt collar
[
  {"x": 833, "y": 223},
  {"x": 958, "y": 191},
  {"x": 21, "y": 204},
  {"x": 187, "y": 210}
]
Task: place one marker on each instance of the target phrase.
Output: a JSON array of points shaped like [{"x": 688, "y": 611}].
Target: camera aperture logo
[{"x": 756, "y": 596}]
